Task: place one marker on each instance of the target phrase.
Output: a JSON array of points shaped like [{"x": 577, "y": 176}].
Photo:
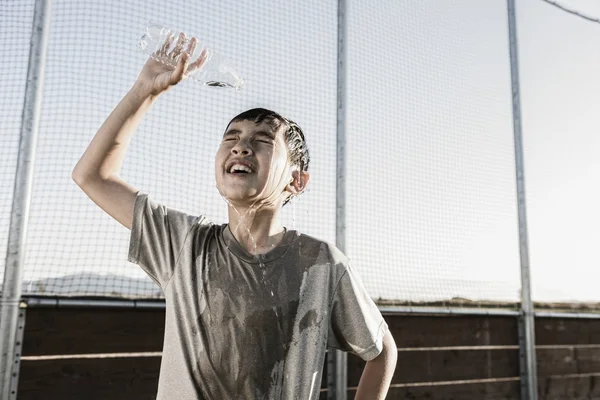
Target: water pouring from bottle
[{"x": 165, "y": 45}]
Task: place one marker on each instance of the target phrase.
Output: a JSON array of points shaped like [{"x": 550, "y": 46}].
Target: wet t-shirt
[{"x": 240, "y": 326}]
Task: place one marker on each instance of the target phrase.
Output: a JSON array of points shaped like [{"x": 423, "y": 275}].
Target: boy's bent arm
[
  {"x": 113, "y": 195},
  {"x": 97, "y": 172},
  {"x": 377, "y": 375},
  {"x": 104, "y": 156}
]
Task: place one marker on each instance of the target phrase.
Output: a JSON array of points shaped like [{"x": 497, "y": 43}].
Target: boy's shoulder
[{"x": 322, "y": 250}]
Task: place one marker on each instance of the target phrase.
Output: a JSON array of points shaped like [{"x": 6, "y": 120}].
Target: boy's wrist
[{"x": 141, "y": 92}]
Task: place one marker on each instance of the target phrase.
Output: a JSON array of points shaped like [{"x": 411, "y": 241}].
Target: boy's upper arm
[
  {"x": 356, "y": 324},
  {"x": 160, "y": 238},
  {"x": 115, "y": 196},
  {"x": 158, "y": 233}
]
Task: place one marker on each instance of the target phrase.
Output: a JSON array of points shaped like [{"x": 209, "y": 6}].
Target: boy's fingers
[
  {"x": 200, "y": 61},
  {"x": 179, "y": 45},
  {"x": 192, "y": 46},
  {"x": 177, "y": 75},
  {"x": 165, "y": 47}
]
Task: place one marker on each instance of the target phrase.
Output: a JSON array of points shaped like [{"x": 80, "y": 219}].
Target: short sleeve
[
  {"x": 158, "y": 235},
  {"x": 356, "y": 324}
]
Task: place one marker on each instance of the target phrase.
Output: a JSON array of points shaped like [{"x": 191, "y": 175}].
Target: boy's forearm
[
  {"x": 105, "y": 153},
  {"x": 377, "y": 376}
]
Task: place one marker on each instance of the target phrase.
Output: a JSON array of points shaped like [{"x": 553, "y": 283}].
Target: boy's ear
[{"x": 298, "y": 182}]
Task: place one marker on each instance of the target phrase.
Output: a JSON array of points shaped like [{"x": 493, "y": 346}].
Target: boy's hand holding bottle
[
  {"x": 174, "y": 57},
  {"x": 157, "y": 77}
]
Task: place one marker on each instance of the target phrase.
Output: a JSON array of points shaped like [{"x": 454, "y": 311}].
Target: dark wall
[{"x": 440, "y": 357}]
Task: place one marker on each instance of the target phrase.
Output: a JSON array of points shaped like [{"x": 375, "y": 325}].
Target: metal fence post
[
  {"x": 15, "y": 253},
  {"x": 337, "y": 364},
  {"x": 526, "y": 319}
]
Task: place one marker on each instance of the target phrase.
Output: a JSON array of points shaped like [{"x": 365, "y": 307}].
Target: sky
[{"x": 431, "y": 195}]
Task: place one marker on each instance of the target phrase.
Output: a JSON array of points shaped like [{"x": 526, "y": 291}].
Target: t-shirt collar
[{"x": 234, "y": 246}]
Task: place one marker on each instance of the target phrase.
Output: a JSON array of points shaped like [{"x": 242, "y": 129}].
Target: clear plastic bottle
[{"x": 214, "y": 72}]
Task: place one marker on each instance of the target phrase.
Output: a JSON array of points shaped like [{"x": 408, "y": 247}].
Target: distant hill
[{"x": 90, "y": 284}]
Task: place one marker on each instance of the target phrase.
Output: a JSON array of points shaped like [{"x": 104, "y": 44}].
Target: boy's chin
[
  {"x": 239, "y": 197},
  {"x": 243, "y": 202}
]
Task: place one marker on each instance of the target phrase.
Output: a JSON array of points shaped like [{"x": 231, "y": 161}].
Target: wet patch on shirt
[
  {"x": 277, "y": 373},
  {"x": 256, "y": 330},
  {"x": 309, "y": 319}
]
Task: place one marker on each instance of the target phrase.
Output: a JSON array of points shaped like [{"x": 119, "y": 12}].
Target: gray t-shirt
[{"x": 240, "y": 326}]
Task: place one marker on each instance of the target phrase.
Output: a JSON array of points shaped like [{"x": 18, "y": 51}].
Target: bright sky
[{"x": 431, "y": 189}]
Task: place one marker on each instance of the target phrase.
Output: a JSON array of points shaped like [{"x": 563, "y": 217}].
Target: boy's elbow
[
  {"x": 78, "y": 174},
  {"x": 75, "y": 176}
]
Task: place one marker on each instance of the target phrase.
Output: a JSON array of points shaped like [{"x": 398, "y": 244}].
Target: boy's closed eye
[{"x": 262, "y": 141}]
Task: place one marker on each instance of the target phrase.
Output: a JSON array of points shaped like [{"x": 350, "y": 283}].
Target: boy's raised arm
[{"x": 97, "y": 172}]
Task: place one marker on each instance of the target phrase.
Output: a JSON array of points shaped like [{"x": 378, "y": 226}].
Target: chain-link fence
[{"x": 430, "y": 178}]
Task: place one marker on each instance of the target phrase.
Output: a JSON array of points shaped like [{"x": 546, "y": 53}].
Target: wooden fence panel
[
  {"x": 92, "y": 330},
  {"x": 579, "y": 387},
  {"x": 567, "y": 331},
  {"x": 89, "y": 379},
  {"x": 440, "y": 357},
  {"x": 445, "y": 365},
  {"x": 413, "y": 331},
  {"x": 465, "y": 391}
]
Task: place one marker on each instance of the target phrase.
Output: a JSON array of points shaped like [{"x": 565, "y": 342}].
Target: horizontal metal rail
[
  {"x": 56, "y": 302},
  {"x": 447, "y": 310},
  {"x": 59, "y": 302}
]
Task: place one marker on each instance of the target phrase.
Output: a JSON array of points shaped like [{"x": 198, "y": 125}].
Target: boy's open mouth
[
  {"x": 240, "y": 169},
  {"x": 240, "y": 173}
]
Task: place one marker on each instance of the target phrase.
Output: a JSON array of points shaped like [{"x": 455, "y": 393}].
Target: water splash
[
  {"x": 242, "y": 218},
  {"x": 255, "y": 207}
]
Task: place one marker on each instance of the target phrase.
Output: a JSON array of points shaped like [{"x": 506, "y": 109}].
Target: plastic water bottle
[{"x": 214, "y": 72}]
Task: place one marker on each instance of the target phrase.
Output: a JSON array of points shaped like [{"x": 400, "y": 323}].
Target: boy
[{"x": 250, "y": 306}]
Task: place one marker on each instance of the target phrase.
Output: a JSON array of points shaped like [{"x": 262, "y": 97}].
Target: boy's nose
[
  {"x": 242, "y": 148},
  {"x": 241, "y": 151}
]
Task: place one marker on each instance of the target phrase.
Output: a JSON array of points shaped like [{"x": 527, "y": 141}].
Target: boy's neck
[{"x": 257, "y": 231}]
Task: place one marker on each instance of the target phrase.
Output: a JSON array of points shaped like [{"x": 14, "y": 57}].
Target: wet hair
[{"x": 294, "y": 137}]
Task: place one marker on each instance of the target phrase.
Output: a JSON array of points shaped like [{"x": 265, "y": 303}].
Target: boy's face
[{"x": 264, "y": 151}]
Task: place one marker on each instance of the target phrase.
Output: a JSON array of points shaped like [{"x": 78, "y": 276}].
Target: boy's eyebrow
[{"x": 261, "y": 133}]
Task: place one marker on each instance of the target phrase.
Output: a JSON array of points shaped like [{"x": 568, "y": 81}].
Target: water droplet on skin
[
  {"x": 242, "y": 221},
  {"x": 242, "y": 217}
]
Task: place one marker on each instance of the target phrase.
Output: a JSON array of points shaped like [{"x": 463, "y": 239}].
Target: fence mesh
[
  {"x": 15, "y": 33},
  {"x": 73, "y": 247},
  {"x": 430, "y": 175},
  {"x": 431, "y": 160},
  {"x": 560, "y": 89}
]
